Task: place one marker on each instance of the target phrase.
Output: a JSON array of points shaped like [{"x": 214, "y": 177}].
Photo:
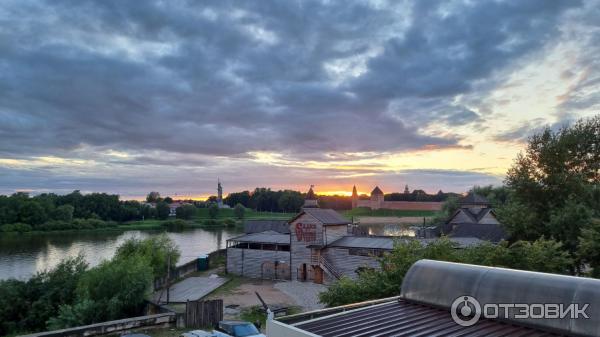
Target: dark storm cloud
[{"x": 234, "y": 77}]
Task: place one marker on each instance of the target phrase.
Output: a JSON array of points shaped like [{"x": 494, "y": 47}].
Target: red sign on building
[{"x": 306, "y": 232}]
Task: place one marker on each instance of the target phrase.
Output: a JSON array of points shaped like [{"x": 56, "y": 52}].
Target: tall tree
[{"x": 553, "y": 184}]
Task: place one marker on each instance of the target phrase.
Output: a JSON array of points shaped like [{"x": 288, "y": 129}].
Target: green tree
[
  {"x": 155, "y": 250},
  {"x": 168, "y": 200},
  {"x": 114, "y": 289},
  {"x": 213, "y": 210},
  {"x": 589, "y": 251},
  {"x": 32, "y": 213},
  {"x": 153, "y": 197},
  {"x": 185, "y": 212},
  {"x": 553, "y": 182},
  {"x": 162, "y": 210},
  {"x": 28, "y": 305},
  {"x": 542, "y": 255},
  {"x": 63, "y": 213},
  {"x": 290, "y": 201},
  {"x": 239, "y": 211}
]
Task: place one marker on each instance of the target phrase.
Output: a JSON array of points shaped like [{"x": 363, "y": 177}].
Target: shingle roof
[
  {"x": 326, "y": 216},
  {"x": 263, "y": 237},
  {"x": 475, "y": 214},
  {"x": 376, "y": 191},
  {"x": 403, "y": 318},
  {"x": 257, "y": 226},
  {"x": 489, "y": 232},
  {"x": 474, "y": 199}
]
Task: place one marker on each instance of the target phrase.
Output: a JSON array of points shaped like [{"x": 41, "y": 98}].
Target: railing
[{"x": 329, "y": 267}]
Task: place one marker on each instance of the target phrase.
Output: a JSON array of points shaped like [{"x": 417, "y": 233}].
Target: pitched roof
[
  {"x": 475, "y": 214},
  {"x": 257, "y": 226},
  {"x": 376, "y": 191},
  {"x": 474, "y": 199},
  {"x": 263, "y": 237},
  {"x": 324, "y": 215},
  {"x": 488, "y": 232}
]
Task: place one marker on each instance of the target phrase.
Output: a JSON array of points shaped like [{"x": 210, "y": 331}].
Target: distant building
[
  {"x": 377, "y": 201},
  {"x": 315, "y": 245},
  {"x": 220, "y": 195},
  {"x": 475, "y": 218}
]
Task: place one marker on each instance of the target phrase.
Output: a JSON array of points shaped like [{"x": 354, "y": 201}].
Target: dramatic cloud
[{"x": 131, "y": 96}]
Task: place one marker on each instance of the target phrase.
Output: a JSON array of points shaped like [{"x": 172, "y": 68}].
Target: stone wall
[{"x": 401, "y": 205}]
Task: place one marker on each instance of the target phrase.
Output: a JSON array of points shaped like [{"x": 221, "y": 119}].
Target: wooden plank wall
[{"x": 203, "y": 314}]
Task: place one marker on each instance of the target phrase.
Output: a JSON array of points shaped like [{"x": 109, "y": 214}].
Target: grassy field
[
  {"x": 363, "y": 211},
  {"x": 202, "y": 213}
]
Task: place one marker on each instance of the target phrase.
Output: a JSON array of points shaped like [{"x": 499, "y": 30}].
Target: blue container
[{"x": 203, "y": 262}]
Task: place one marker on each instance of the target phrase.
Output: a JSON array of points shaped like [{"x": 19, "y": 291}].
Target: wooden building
[{"x": 317, "y": 247}]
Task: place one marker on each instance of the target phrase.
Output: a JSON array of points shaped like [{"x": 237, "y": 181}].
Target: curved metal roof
[{"x": 439, "y": 283}]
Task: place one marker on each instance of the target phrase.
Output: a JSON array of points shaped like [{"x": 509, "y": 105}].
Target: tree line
[{"x": 549, "y": 205}]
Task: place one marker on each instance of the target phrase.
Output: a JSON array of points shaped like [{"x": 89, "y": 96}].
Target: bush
[
  {"x": 155, "y": 251},
  {"x": 239, "y": 211},
  {"x": 56, "y": 225},
  {"x": 27, "y": 305},
  {"x": 211, "y": 223},
  {"x": 114, "y": 289},
  {"x": 213, "y": 210},
  {"x": 185, "y": 212},
  {"x": 541, "y": 255},
  {"x": 15, "y": 227},
  {"x": 229, "y": 222},
  {"x": 175, "y": 224}
]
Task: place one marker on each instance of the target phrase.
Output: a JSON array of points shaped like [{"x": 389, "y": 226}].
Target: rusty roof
[{"x": 402, "y": 318}]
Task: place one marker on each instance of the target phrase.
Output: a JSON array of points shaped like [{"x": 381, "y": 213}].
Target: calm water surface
[{"x": 21, "y": 256}]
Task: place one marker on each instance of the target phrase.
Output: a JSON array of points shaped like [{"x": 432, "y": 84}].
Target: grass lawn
[
  {"x": 363, "y": 211},
  {"x": 202, "y": 214}
]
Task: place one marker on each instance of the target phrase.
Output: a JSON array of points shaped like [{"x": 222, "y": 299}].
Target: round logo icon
[{"x": 465, "y": 310}]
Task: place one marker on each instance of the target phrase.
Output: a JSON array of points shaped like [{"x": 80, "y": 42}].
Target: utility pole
[{"x": 168, "y": 276}]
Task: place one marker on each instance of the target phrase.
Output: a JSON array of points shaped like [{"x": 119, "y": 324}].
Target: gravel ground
[{"x": 305, "y": 294}]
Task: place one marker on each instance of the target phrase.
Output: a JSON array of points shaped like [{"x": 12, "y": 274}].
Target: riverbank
[{"x": 225, "y": 218}]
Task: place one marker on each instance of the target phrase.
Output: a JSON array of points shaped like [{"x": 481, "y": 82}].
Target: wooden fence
[
  {"x": 186, "y": 269},
  {"x": 203, "y": 314}
]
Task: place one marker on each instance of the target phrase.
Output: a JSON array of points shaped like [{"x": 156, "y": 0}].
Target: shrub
[
  {"x": 175, "y": 224},
  {"x": 211, "y": 223},
  {"x": 15, "y": 227},
  {"x": 229, "y": 222},
  {"x": 56, "y": 225}
]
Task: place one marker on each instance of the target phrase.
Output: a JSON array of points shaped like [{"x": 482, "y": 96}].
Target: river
[{"x": 21, "y": 256}]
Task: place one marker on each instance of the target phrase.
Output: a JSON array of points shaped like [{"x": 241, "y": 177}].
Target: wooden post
[{"x": 168, "y": 277}]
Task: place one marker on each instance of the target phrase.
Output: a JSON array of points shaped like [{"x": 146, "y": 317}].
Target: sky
[{"x": 129, "y": 97}]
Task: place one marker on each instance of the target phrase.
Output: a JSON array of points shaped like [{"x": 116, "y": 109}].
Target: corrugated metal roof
[
  {"x": 264, "y": 237},
  {"x": 326, "y": 216},
  {"x": 402, "y": 318},
  {"x": 387, "y": 243},
  {"x": 257, "y": 226}
]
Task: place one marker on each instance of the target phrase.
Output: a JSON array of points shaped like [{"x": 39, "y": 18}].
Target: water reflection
[
  {"x": 387, "y": 229},
  {"x": 23, "y": 255}
]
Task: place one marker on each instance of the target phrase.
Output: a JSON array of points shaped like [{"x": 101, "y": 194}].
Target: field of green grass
[
  {"x": 363, "y": 211},
  {"x": 202, "y": 213}
]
